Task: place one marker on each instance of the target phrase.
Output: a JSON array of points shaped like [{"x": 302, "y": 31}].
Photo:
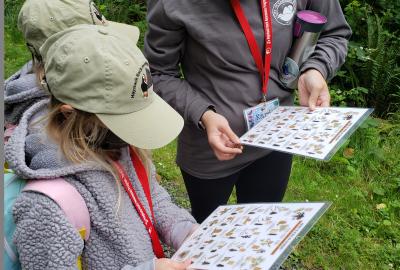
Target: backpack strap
[{"x": 69, "y": 200}]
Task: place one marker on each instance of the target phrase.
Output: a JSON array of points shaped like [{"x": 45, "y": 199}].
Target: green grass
[
  {"x": 353, "y": 234},
  {"x": 361, "y": 230},
  {"x": 16, "y": 53}
]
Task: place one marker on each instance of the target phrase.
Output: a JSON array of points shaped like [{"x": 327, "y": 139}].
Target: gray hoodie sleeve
[
  {"x": 173, "y": 223},
  {"x": 164, "y": 45},
  {"x": 43, "y": 236},
  {"x": 331, "y": 49}
]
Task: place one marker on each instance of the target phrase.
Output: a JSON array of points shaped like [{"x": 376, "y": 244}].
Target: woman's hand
[
  {"x": 224, "y": 142},
  {"x": 313, "y": 90},
  {"x": 168, "y": 264}
]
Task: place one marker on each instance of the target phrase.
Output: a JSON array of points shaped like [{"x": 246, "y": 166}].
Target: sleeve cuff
[
  {"x": 313, "y": 64},
  {"x": 198, "y": 107},
  {"x": 148, "y": 265}
]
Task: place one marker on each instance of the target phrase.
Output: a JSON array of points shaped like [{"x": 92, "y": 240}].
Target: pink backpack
[
  {"x": 69, "y": 200},
  {"x": 60, "y": 191}
]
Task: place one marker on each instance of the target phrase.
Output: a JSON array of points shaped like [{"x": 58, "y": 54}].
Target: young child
[
  {"x": 38, "y": 20},
  {"x": 97, "y": 109}
]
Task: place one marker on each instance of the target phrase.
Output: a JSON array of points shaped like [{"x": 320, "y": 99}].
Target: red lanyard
[
  {"x": 142, "y": 175},
  {"x": 263, "y": 67},
  {"x": 157, "y": 248}
]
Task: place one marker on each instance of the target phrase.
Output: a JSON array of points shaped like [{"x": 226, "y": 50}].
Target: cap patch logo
[
  {"x": 97, "y": 16},
  {"x": 144, "y": 86},
  {"x": 146, "y": 81}
]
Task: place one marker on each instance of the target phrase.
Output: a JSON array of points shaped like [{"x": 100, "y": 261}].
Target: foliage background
[
  {"x": 371, "y": 75},
  {"x": 362, "y": 228}
]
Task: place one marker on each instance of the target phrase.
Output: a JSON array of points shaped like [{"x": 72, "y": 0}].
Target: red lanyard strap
[
  {"x": 263, "y": 68},
  {"x": 155, "y": 241},
  {"x": 143, "y": 178}
]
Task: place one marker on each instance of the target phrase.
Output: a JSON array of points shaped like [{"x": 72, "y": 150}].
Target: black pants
[{"x": 265, "y": 180}]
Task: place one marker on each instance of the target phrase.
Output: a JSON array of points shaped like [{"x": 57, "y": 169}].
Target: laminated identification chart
[
  {"x": 249, "y": 236},
  {"x": 298, "y": 130}
]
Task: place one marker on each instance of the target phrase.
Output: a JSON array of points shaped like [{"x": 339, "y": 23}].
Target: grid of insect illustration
[
  {"x": 250, "y": 236},
  {"x": 298, "y": 130}
]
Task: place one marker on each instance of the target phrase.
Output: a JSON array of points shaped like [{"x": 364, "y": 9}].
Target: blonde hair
[
  {"x": 37, "y": 65},
  {"x": 38, "y": 69},
  {"x": 79, "y": 134}
]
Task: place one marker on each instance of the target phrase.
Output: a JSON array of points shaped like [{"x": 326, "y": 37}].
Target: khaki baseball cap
[
  {"x": 39, "y": 19},
  {"x": 96, "y": 69}
]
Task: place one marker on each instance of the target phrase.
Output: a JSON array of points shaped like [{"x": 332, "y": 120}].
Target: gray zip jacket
[
  {"x": 118, "y": 239},
  {"x": 205, "y": 39}
]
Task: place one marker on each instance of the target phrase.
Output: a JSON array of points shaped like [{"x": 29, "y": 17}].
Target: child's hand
[
  {"x": 168, "y": 264},
  {"x": 194, "y": 228}
]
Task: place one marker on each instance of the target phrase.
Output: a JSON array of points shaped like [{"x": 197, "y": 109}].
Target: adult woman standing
[{"x": 222, "y": 78}]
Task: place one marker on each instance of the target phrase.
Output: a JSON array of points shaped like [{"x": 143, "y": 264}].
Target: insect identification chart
[
  {"x": 249, "y": 236},
  {"x": 298, "y": 130}
]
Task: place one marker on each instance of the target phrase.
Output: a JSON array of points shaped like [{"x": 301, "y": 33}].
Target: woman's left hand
[{"x": 313, "y": 90}]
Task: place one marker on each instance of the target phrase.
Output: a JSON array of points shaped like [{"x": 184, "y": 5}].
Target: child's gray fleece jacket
[{"x": 118, "y": 238}]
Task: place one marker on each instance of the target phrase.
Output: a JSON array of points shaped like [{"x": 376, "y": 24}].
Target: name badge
[{"x": 257, "y": 113}]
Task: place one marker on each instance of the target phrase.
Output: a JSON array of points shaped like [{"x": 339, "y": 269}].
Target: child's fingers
[
  {"x": 180, "y": 265},
  {"x": 187, "y": 263}
]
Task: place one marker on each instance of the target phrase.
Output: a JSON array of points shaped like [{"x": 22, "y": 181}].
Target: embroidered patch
[
  {"x": 284, "y": 11},
  {"x": 97, "y": 17},
  {"x": 146, "y": 80},
  {"x": 147, "y": 83}
]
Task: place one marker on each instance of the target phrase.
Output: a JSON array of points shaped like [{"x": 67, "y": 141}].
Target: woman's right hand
[
  {"x": 168, "y": 264},
  {"x": 224, "y": 142}
]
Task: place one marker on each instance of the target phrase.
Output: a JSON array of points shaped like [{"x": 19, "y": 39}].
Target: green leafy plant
[
  {"x": 371, "y": 74},
  {"x": 125, "y": 11}
]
